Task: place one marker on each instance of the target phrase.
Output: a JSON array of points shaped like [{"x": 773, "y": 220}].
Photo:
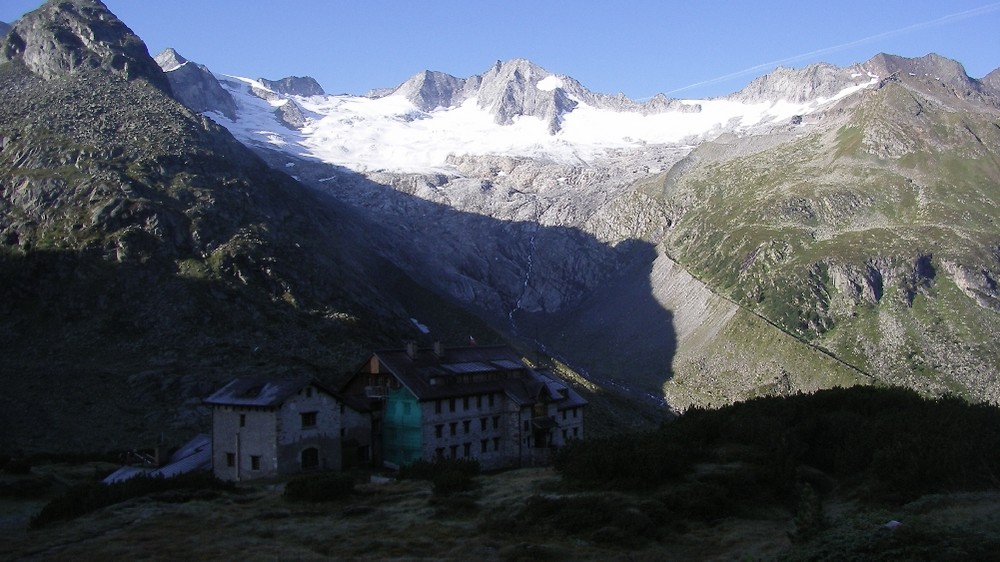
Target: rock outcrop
[
  {"x": 294, "y": 86},
  {"x": 814, "y": 81},
  {"x": 290, "y": 114}
]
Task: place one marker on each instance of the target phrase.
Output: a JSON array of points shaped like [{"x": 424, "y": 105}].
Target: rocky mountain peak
[
  {"x": 294, "y": 86},
  {"x": 66, "y": 36},
  {"x": 931, "y": 64},
  {"x": 520, "y": 68},
  {"x": 170, "y": 60},
  {"x": 992, "y": 82},
  {"x": 431, "y": 89},
  {"x": 520, "y": 87},
  {"x": 194, "y": 85},
  {"x": 940, "y": 77},
  {"x": 819, "y": 80}
]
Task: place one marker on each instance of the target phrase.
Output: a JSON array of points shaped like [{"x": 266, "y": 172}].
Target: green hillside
[{"x": 871, "y": 236}]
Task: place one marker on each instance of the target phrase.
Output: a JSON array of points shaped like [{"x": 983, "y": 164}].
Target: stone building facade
[{"x": 265, "y": 428}]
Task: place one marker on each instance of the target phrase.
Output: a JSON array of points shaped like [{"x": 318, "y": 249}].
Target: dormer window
[{"x": 308, "y": 419}]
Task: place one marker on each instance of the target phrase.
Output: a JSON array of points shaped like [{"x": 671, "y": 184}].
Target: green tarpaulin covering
[{"x": 401, "y": 441}]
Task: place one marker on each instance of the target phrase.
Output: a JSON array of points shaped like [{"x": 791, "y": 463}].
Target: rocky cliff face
[
  {"x": 430, "y": 90},
  {"x": 194, "y": 85}
]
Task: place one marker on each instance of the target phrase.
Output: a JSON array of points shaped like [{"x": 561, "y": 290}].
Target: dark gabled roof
[
  {"x": 262, "y": 392},
  {"x": 417, "y": 372},
  {"x": 560, "y": 391}
]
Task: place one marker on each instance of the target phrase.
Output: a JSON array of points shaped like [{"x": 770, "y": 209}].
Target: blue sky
[{"x": 685, "y": 49}]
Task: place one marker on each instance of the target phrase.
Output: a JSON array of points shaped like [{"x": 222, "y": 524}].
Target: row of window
[
  {"x": 308, "y": 419},
  {"x": 575, "y": 413},
  {"x": 309, "y": 459},
  {"x": 565, "y": 431},
  {"x": 466, "y": 426},
  {"x": 467, "y": 449},
  {"x": 254, "y": 461},
  {"x": 489, "y": 400}
]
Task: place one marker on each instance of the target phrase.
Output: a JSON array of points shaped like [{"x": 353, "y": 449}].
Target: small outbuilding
[{"x": 193, "y": 456}]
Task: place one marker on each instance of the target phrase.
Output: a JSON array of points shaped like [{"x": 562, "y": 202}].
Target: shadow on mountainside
[
  {"x": 145, "y": 254},
  {"x": 97, "y": 355},
  {"x": 557, "y": 290}
]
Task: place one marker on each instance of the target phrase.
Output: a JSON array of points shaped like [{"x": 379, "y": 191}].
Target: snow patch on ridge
[
  {"x": 174, "y": 67},
  {"x": 549, "y": 83},
  {"x": 256, "y": 123}
]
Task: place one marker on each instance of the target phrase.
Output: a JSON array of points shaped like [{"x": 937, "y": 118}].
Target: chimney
[
  {"x": 438, "y": 349},
  {"x": 411, "y": 349},
  {"x": 161, "y": 454}
]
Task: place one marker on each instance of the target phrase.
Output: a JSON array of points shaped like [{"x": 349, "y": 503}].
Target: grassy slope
[
  {"x": 811, "y": 477},
  {"x": 747, "y": 358},
  {"x": 405, "y": 520},
  {"x": 899, "y": 185}
]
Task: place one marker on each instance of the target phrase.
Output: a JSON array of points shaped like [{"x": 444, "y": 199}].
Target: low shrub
[
  {"x": 450, "y": 506},
  {"x": 424, "y": 470},
  {"x": 602, "y": 518},
  {"x": 450, "y": 481},
  {"x": 85, "y": 498},
  {"x": 640, "y": 461},
  {"x": 34, "y": 487},
  {"x": 17, "y": 466},
  {"x": 698, "y": 501},
  {"x": 895, "y": 443},
  {"x": 809, "y": 519},
  {"x": 329, "y": 486}
]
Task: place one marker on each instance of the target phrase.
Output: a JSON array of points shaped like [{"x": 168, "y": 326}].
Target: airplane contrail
[{"x": 944, "y": 20}]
